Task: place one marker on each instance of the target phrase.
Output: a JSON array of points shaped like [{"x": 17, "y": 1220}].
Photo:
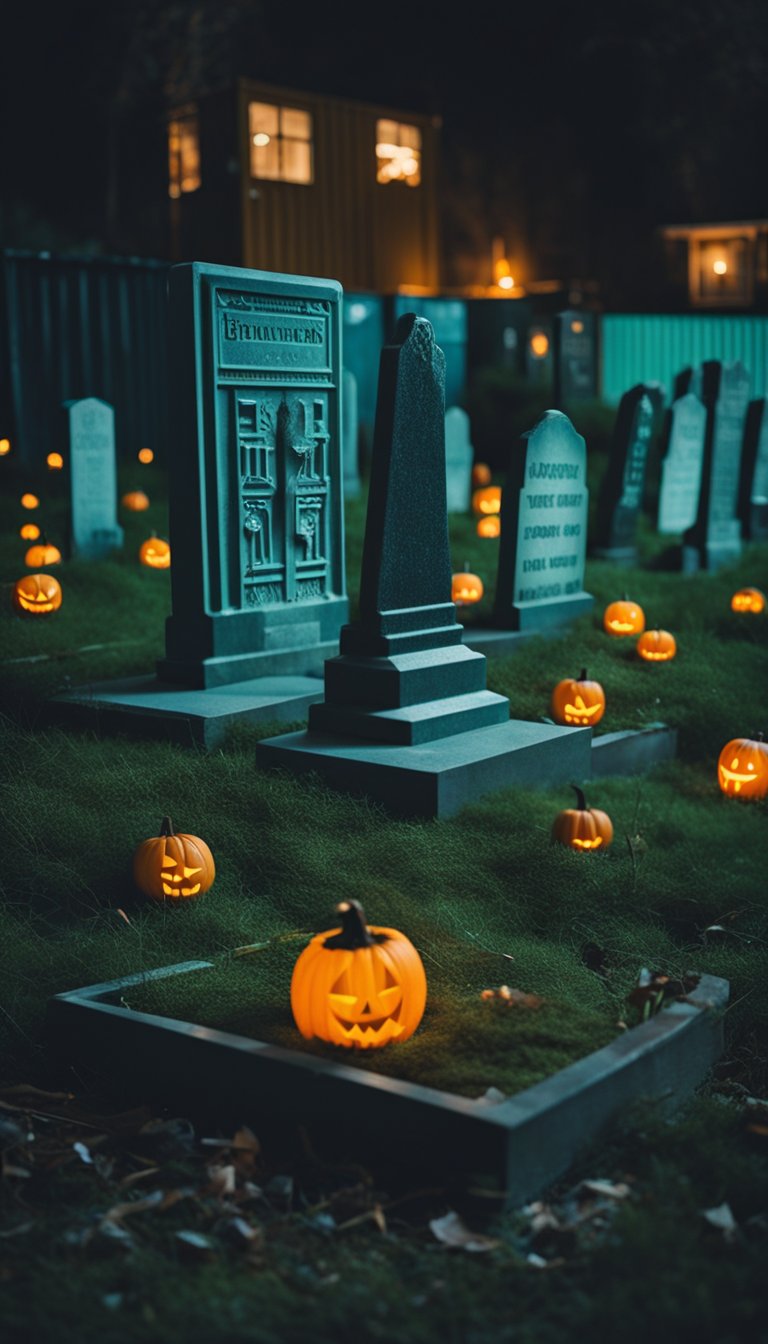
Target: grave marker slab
[
  {"x": 621, "y": 493},
  {"x": 544, "y": 528},
  {"x": 90, "y": 424},
  {"x": 575, "y": 362},
  {"x": 458, "y": 460},
  {"x": 753, "y": 484},
  {"x": 683, "y": 453},
  {"x": 350, "y": 428},
  {"x": 714, "y": 539}
]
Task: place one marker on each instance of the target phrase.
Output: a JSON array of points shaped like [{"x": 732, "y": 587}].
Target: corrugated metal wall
[
  {"x": 644, "y": 347},
  {"x": 81, "y": 327}
]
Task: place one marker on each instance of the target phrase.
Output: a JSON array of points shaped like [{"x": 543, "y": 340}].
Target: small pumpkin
[
  {"x": 624, "y": 618},
  {"x": 481, "y": 474},
  {"x": 155, "y": 552},
  {"x": 582, "y": 828},
  {"x": 136, "y": 501},
  {"x": 358, "y": 985},
  {"x": 656, "y": 646},
  {"x": 29, "y": 501},
  {"x": 576, "y": 700},
  {"x": 742, "y": 768},
  {"x": 29, "y": 532},
  {"x": 748, "y": 599},
  {"x": 55, "y": 461},
  {"x": 489, "y": 525},
  {"x": 145, "y": 456},
  {"x": 173, "y": 867},
  {"x": 38, "y": 557},
  {"x": 466, "y": 588},
  {"x": 487, "y": 500},
  {"x": 37, "y": 594}
]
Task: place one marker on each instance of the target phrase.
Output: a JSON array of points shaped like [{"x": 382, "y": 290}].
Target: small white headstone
[
  {"x": 458, "y": 460},
  {"x": 681, "y": 466},
  {"x": 93, "y": 477}
]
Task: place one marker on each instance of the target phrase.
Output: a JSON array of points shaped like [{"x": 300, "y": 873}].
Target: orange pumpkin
[
  {"x": 748, "y": 599},
  {"x": 55, "y": 461},
  {"x": 136, "y": 501},
  {"x": 578, "y": 701},
  {"x": 156, "y": 553},
  {"x": 29, "y": 532},
  {"x": 481, "y": 474},
  {"x": 358, "y": 985},
  {"x": 624, "y": 618},
  {"x": 466, "y": 588},
  {"x": 38, "y": 557},
  {"x": 657, "y": 646},
  {"x": 29, "y": 501},
  {"x": 489, "y": 525},
  {"x": 582, "y": 828},
  {"x": 742, "y": 769},
  {"x": 173, "y": 867},
  {"x": 487, "y": 500},
  {"x": 37, "y": 594}
]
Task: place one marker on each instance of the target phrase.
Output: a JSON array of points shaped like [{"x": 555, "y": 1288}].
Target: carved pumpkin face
[
  {"x": 37, "y": 594},
  {"x": 29, "y": 501},
  {"x": 173, "y": 867},
  {"x": 624, "y": 618},
  {"x": 29, "y": 532},
  {"x": 657, "y": 646},
  {"x": 487, "y": 500},
  {"x": 578, "y": 702},
  {"x": 742, "y": 770},
  {"x": 358, "y": 986},
  {"x": 489, "y": 525},
  {"x": 136, "y": 501},
  {"x": 42, "y": 555},
  {"x": 583, "y": 829},
  {"x": 466, "y": 588},
  {"x": 156, "y": 553},
  {"x": 748, "y": 599},
  {"x": 481, "y": 474}
]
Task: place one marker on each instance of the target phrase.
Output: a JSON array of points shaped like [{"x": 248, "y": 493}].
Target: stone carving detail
[
  {"x": 306, "y": 588},
  {"x": 259, "y": 596},
  {"x": 261, "y": 303}
]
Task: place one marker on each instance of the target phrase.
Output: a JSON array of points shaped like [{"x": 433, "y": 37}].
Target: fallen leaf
[
  {"x": 83, "y": 1152},
  {"x": 606, "y": 1189},
  {"x": 721, "y": 1217},
  {"x": 453, "y": 1232}
]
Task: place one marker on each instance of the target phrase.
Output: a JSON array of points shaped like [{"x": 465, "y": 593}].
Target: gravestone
[
  {"x": 458, "y": 460},
  {"x": 621, "y": 492},
  {"x": 544, "y": 510},
  {"x": 753, "y": 484},
  {"x": 90, "y": 425},
  {"x": 349, "y": 432},
  {"x": 575, "y": 358},
  {"x": 714, "y": 538},
  {"x": 406, "y": 718},
  {"x": 687, "y": 380},
  {"x": 682, "y": 456}
]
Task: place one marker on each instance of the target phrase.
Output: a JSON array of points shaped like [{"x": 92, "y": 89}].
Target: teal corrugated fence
[{"x": 648, "y": 347}]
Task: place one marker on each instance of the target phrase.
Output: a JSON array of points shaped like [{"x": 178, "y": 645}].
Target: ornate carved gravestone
[
  {"x": 682, "y": 455},
  {"x": 621, "y": 493},
  {"x": 574, "y": 353},
  {"x": 753, "y": 484},
  {"x": 349, "y": 432},
  {"x": 90, "y": 426},
  {"x": 458, "y": 460},
  {"x": 715, "y": 537},
  {"x": 406, "y": 718},
  {"x": 544, "y": 529}
]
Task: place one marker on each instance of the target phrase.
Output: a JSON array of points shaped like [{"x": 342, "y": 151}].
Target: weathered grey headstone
[
  {"x": 458, "y": 460},
  {"x": 575, "y": 357},
  {"x": 544, "y": 528},
  {"x": 349, "y": 432},
  {"x": 753, "y": 485},
  {"x": 255, "y": 473},
  {"x": 687, "y": 380},
  {"x": 714, "y": 539},
  {"x": 621, "y": 493},
  {"x": 683, "y": 453},
  {"x": 93, "y": 476}
]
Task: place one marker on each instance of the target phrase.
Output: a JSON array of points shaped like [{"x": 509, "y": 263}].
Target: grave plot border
[{"x": 520, "y": 1144}]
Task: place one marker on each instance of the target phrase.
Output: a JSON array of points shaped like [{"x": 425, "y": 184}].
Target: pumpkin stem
[
  {"x": 354, "y": 930},
  {"x": 166, "y": 826},
  {"x": 581, "y": 802},
  {"x": 582, "y": 675}
]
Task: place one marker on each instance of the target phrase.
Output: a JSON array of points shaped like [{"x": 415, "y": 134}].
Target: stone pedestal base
[{"x": 543, "y": 616}]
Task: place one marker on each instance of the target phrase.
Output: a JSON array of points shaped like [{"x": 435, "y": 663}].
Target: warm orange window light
[
  {"x": 29, "y": 501},
  {"x": 146, "y": 455},
  {"x": 29, "y": 532},
  {"x": 539, "y": 344},
  {"x": 280, "y": 143},
  {"x": 183, "y": 154},
  {"x": 5, "y": 447},
  {"x": 398, "y": 152},
  {"x": 55, "y": 461},
  {"x": 720, "y": 267}
]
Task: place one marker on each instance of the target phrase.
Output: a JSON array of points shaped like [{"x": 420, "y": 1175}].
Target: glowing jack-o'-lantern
[
  {"x": 582, "y": 828},
  {"x": 487, "y": 500},
  {"x": 37, "y": 594},
  {"x": 156, "y": 553},
  {"x": 145, "y": 456},
  {"x": 656, "y": 646},
  {"x": 466, "y": 588},
  {"x": 624, "y": 618},
  {"x": 481, "y": 474},
  {"x": 748, "y": 599},
  {"x": 742, "y": 769},
  {"x": 489, "y": 525},
  {"x": 55, "y": 461},
  {"x": 578, "y": 701},
  {"x": 136, "y": 501},
  {"x": 358, "y": 985},
  {"x": 38, "y": 557},
  {"x": 173, "y": 867},
  {"x": 29, "y": 501},
  {"x": 29, "y": 532}
]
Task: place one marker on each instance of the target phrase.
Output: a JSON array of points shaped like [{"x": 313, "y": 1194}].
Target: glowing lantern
[
  {"x": 55, "y": 461},
  {"x": 742, "y": 769},
  {"x": 42, "y": 555},
  {"x": 156, "y": 553},
  {"x": 657, "y": 646},
  {"x": 624, "y": 618},
  {"x": 487, "y": 500},
  {"x": 578, "y": 701},
  {"x": 358, "y": 985},
  {"x": 481, "y": 474},
  {"x": 720, "y": 266},
  {"x": 136, "y": 501},
  {"x": 29, "y": 532},
  {"x": 29, "y": 501},
  {"x": 539, "y": 343},
  {"x": 466, "y": 588},
  {"x": 582, "y": 828},
  {"x": 146, "y": 456},
  {"x": 173, "y": 867},
  {"x": 5, "y": 447},
  {"x": 748, "y": 599},
  {"x": 489, "y": 525},
  {"x": 37, "y": 594}
]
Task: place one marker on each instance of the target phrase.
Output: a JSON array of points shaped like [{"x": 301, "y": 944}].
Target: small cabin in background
[
  {"x": 720, "y": 265},
  {"x": 282, "y": 180}
]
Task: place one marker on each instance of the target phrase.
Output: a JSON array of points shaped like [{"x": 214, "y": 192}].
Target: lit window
[
  {"x": 398, "y": 153},
  {"x": 183, "y": 154},
  {"x": 281, "y": 142}
]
